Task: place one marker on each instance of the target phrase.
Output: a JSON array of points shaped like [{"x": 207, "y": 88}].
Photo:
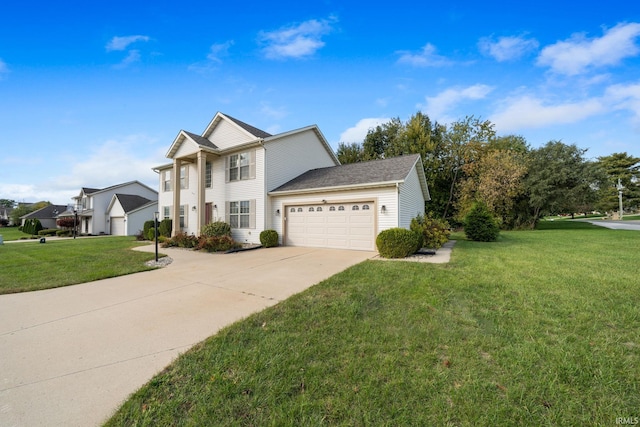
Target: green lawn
[
  {"x": 541, "y": 328},
  {"x": 12, "y": 233},
  {"x": 29, "y": 266}
]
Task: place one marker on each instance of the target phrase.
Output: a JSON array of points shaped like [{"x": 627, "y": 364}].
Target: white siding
[
  {"x": 411, "y": 199},
  {"x": 293, "y": 155},
  {"x": 227, "y": 135},
  {"x": 187, "y": 148},
  {"x": 380, "y": 196}
]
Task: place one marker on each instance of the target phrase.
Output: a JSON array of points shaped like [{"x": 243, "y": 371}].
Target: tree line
[{"x": 467, "y": 162}]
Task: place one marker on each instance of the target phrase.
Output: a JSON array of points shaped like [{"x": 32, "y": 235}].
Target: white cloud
[
  {"x": 122, "y": 43},
  {"x": 578, "y": 54},
  {"x": 358, "y": 132},
  {"x": 132, "y": 57},
  {"x": 507, "y": 48},
  {"x": 219, "y": 50},
  {"x": 625, "y": 97},
  {"x": 4, "y": 69},
  {"x": 439, "y": 106},
  {"x": 427, "y": 57},
  {"x": 297, "y": 41},
  {"x": 528, "y": 112}
]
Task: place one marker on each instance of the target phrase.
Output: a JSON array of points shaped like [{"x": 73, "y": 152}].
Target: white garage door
[
  {"x": 332, "y": 225},
  {"x": 117, "y": 226}
]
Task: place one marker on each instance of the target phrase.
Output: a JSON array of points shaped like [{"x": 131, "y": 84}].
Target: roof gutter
[{"x": 335, "y": 188}]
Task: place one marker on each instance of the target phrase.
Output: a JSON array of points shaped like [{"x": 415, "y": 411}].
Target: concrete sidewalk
[{"x": 70, "y": 356}]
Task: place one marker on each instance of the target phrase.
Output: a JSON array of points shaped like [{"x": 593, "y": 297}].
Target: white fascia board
[{"x": 336, "y": 188}]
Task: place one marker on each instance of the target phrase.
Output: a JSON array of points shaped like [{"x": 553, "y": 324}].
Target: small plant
[
  {"x": 480, "y": 225},
  {"x": 146, "y": 227},
  {"x": 165, "y": 227},
  {"x": 151, "y": 234},
  {"x": 182, "y": 240},
  {"x": 217, "y": 243},
  {"x": 216, "y": 229},
  {"x": 269, "y": 238},
  {"x": 398, "y": 242},
  {"x": 435, "y": 232}
]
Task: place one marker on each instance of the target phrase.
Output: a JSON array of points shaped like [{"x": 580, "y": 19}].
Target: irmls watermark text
[{"x": 627, "y": 421}]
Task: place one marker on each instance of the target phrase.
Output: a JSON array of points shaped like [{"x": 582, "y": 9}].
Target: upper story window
[
  {"x": 208, "y": 181},
  {"x": 241, "y": 166},
  {"x": 166, "y": 180},
  {"x": 184, "y": 177}
]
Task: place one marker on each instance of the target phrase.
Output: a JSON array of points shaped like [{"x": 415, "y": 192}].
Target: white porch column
[
  {"x": 200, "y": 209},
  {"x": 175, "y": 183}
]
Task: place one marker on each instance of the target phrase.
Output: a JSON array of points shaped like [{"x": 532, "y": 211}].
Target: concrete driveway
[{"x": 71, "y": 356}]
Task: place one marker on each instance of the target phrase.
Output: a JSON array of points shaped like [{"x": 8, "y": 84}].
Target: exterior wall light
[{"x": 383, "y": 209}]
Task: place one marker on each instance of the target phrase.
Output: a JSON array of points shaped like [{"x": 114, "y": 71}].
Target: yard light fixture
[
  {"x": 75, "y": 222},
  {"x": 155, "y": 217}
]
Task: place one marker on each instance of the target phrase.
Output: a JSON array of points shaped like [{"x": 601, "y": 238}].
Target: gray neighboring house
[
  {"x": 127, "y": 213},
  {"x": 47, "y": 215}
]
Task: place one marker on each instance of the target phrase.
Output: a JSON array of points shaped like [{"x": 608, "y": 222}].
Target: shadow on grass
[{"x": 568, "y": 225}]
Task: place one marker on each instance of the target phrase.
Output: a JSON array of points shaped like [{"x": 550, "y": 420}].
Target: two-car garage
[{"x": 349, "y": 225}]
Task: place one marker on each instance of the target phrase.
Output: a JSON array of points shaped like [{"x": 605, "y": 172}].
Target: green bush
[
  {"x": 435, "y": 232},
  {"x": 216, "y": 229},
  {"x": 398, "y": 242},
  {"x": 182, "y": 240},
  {"x": 64, "y": 233},
  {"x": 32, "y": 226},
  {"x": 217, "y": 243},
  {"x": 151, "y": 233},
  {"x": 480, "y": 225},
  {"x": 48, "y": 232},
  {"x": 146, "y": 226},
  {"x": 165, "y": 227},
  {"x": 269, "y": 238}
]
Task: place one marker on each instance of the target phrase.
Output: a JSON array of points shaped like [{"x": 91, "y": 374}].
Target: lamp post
[
  {"x": 620, "y": 187},
  {"x": 155, "y": 216},
  {"x": 75, "y": 222}
]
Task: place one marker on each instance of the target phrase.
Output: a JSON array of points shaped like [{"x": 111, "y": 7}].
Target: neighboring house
[
  {"x": 5, "y": 214},
  {"x": 98, "y": 214},
  {"x": 47, "y": 215},
  {"x": 291, "y": 182},
  {"x": 127, "y": 213}
]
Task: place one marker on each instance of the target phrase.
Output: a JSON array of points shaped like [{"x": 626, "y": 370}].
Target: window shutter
[
  {"x": 226, "y": 171},
  {"x": 226, "y": 210},
  {"x": 252, "y": 166},
  {"x": 252, "y": 213}
]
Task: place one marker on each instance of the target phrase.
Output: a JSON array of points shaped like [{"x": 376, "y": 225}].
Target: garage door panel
[
  {"x": 337, "y": 225},
  {"x": 117, "y": 226}
]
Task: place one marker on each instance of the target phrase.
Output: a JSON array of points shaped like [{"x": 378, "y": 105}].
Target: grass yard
[
  {"x": 12, "y": 233},
  {"x": 539, "y": 328},
  {"x": 30, "y": 266}
]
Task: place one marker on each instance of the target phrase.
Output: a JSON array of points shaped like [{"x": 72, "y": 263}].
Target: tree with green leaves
[
  {"x": 559, "y": 180},
  {"x": 623, "y": 167},
  {"x": 6, "y": 203},
  {"x": 350, "y": 153}
]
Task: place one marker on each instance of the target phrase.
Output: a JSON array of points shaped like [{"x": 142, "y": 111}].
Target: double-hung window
[
  {"x": 184, "y": 177},
  {"x": 241, "y": 166},
  {"x": 242, "y": 214},
  {"x": 166, "y": 180}
]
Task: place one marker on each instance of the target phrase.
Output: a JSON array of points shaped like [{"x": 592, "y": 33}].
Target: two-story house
[
  {"x": 119, "y": 209},
  {"x": 291, "y": 182}
]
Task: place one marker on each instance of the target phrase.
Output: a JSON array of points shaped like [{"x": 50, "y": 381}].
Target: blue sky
[{"x": 93, "y": 93}]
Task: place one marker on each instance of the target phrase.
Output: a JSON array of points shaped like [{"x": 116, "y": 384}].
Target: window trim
[
  {"x": 241, "y": 220},
  {"x": 235, "y": 164}
]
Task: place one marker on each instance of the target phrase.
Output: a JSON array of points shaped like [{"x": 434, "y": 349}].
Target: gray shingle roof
[
  {"x": 252, "y": 130},
  {"x": 201, "y": 141},
  {"x": 88, "y": 190},
  {"x": 131, "y": 202},
  {"x": 376, "y": 171},
  {"x": 51, "y": 211}
]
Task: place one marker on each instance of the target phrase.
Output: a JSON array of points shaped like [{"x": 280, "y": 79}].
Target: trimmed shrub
[
  {"x": 48, "y": 232},
  {"x": 398, "y": 242},
  {"x": 151, "y": 233},
  {"x": 269, "y": 238},
  {"x": 146, "y": 227},
  {"x": 480, "y": 225},
  {"x": 64, "y": 233},
  {"x": 182, "y": 240},
  {"x": 32, "y": 226},
  {"x": 216, "y": 229},
  {"x": 165, "y": 227},
  {"x": 217, "y": 243},
  {"x": 435, "y": 232}
]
